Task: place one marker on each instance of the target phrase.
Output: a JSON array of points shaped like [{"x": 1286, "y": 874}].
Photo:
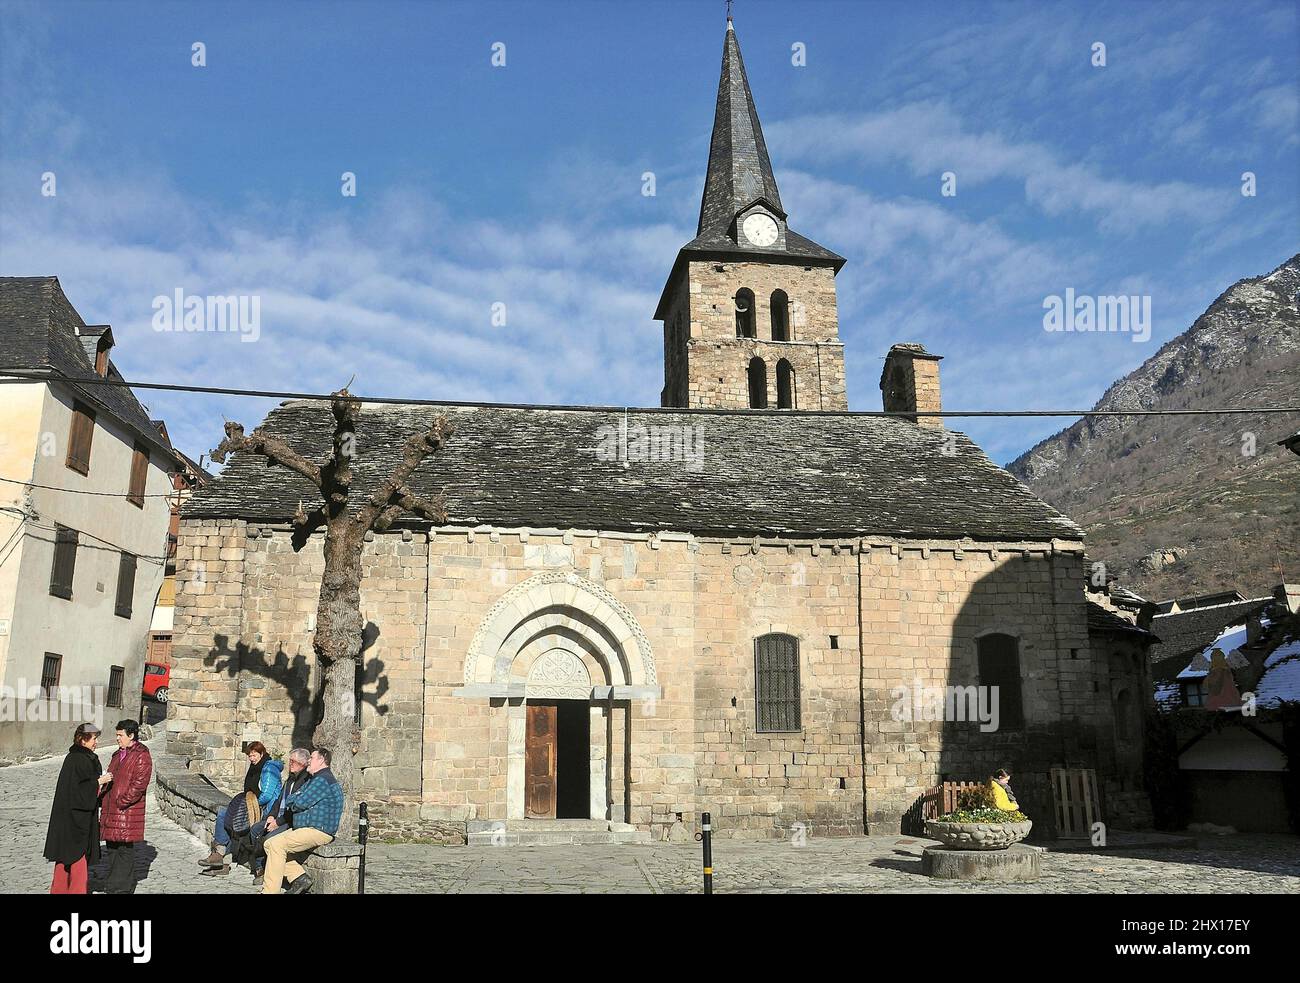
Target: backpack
[{"x": 242, "y": 813}]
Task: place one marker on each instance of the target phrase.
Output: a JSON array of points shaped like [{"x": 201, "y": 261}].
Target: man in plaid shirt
[{"x": 315, "y": 811}]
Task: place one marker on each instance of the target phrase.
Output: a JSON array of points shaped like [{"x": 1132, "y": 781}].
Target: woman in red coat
[{"x": 121, "y": 814}]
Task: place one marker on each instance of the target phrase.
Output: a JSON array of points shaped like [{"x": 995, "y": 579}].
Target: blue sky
[{"x": 521, "y": 185}]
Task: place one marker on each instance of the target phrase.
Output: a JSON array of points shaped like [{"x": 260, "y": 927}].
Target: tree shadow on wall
[{"x": 294, "y": 676}]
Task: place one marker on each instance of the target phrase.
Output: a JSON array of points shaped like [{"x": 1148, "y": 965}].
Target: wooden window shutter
[
  {"x": 65, "y": 562},
  {"x": 125, "y": 585},
  {"x": 139, "y": 475},
  {"x": 80, "y": 437}
]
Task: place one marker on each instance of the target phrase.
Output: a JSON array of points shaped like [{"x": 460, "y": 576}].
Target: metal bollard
[
  {"x": 363, "y": 830},
  {"x": 706, "y": 833}
]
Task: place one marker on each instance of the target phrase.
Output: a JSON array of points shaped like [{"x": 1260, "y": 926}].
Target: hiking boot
[
  {"x": 301, "y": 885},
  {"x": 214, "y": 859},
  {"x": 215, "y": 871}
]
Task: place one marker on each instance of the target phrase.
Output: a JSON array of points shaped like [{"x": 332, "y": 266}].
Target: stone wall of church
[
  {"x": 924, "y": 609},
  {"x": 435, "y": 762},
  {"x": 758, "y": 784},
  {"x": 243, "y": 664}
]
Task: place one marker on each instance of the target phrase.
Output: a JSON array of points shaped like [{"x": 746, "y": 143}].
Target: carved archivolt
[{"x": 586, "y": 608}]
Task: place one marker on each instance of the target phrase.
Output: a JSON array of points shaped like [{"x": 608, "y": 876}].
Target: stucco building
[
  {"x": 636, "y": 616},
  {"x": 83, "y": 523}
]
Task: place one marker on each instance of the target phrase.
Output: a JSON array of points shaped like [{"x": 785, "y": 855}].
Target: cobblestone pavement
[{"x": 873, "y": 864}]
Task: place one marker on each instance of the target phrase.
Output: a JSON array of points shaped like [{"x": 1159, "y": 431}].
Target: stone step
[{"x": 562, "y": 832}]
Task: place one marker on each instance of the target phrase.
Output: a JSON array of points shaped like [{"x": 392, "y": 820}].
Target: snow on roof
[
  {"x": 1229, "y": 641},
  {"x": 1280, "y": 682}
]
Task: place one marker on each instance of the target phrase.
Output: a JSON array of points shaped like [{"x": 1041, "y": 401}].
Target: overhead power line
[
  {"x": 20, "y": 375},
  {"x": 82, "y": 491}
]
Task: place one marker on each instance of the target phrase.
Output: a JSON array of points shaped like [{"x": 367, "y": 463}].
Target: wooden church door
[{"x": 540, "y": 754}]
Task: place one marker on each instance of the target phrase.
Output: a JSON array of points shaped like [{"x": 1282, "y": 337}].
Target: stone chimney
[{"x": 910, "y": 382}]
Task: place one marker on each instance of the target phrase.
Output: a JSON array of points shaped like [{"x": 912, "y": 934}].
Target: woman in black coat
[{"x": 73, "y": 838}]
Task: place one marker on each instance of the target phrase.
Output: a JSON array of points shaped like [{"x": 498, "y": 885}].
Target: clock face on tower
[{"x": 759, "y": 229}]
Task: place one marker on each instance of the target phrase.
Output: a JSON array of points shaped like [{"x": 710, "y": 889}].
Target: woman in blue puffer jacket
[{"x": 264, "y": 777}]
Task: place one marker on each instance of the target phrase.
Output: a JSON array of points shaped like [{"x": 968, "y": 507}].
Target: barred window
[
  {"x": 50, "y": 673},
  {"x": 999, "y": 665},
  {"x": 65, "y": 562},
  {"x": 115, "y": 677},
  {"x": 776, "y": 683}
]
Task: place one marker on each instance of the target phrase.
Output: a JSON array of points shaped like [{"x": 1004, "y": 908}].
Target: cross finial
[{"x": 728, "y": 13}]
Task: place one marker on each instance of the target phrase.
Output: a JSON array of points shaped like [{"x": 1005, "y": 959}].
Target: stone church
[{"x": 740, "y": 602}]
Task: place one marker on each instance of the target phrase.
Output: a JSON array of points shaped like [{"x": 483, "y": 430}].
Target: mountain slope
[{"x": 1212, "y": 497}]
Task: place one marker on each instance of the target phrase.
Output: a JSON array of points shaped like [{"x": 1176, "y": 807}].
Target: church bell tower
[{"x": 749, "y": 308}]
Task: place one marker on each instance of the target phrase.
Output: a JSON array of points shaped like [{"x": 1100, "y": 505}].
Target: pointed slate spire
[{"x": 739, "y": 169}]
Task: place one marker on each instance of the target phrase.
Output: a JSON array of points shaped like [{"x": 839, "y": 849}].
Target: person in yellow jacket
[{"x": 1003, "y": 797}]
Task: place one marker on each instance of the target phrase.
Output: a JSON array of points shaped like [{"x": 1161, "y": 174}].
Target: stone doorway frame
[{"x": 559, "y": 636}]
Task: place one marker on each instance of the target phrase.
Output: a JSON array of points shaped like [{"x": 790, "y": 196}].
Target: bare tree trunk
[
  {"x": 339, "y": 625},
  {"x": 338, "y": 647}
]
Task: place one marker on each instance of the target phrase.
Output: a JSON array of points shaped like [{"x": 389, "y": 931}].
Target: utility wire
[
  {"x": 80, "y": 491},
  {"x": 21, "y": 375}
]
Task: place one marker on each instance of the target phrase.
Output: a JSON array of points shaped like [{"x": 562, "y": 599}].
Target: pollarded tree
[{"x": 338, "y": 638}]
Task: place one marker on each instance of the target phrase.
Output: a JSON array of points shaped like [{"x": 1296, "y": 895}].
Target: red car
[{"x": 156, "y": 678}]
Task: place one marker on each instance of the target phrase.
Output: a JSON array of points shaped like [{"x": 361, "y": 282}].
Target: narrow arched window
[
  {"x": 745, "y": 313},
  {"x": 999, "y": 665},
  {"x": 784, "y": 385},
  {"x": 780, "y": 316},
  {"x": 776, "y": 683},
  {"x": 757, "y": 384},
  {"x": 1124, "y": 723}
]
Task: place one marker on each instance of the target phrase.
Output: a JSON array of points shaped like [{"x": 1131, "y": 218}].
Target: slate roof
[
  {"x": 764, "y": 473},
  {"x": 39, "y": 331},
  {"x": 1100, "y": 619},
  {"x": 1187, "y": 632}
]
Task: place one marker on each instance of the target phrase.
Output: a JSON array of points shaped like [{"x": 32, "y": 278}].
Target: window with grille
[
  {"x": 776, "y": 682},
  {"x": 125, "y": 585},
  {"x": 65, "y": 562},
  {"x": 115, "y": 676},
  {"x": 80, "y": 435},
  {"x": 139, "y": 475},
  {"x": 50, "y": 673},
  {"x": 999, "y": 665}
]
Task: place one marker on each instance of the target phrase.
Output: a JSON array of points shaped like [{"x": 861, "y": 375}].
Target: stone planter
[{"x": 977, "y": 836}]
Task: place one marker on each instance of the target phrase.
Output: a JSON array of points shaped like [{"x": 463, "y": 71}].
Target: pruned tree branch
[
  {"x": 395, "y": 493},
  {"x": 273, "y": 449}
]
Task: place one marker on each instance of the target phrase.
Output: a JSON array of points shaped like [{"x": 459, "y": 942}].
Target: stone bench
[
  {"x": 335, "y": 868},
  {"x": 192, "y": 802}
]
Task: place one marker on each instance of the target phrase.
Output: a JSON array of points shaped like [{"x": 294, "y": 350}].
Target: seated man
[{"x": 314, "y": 812}]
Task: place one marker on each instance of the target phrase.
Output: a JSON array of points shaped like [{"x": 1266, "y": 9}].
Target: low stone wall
[
  {"x": 186, "y": 798},
  {"x": 392, "y": 822}
]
